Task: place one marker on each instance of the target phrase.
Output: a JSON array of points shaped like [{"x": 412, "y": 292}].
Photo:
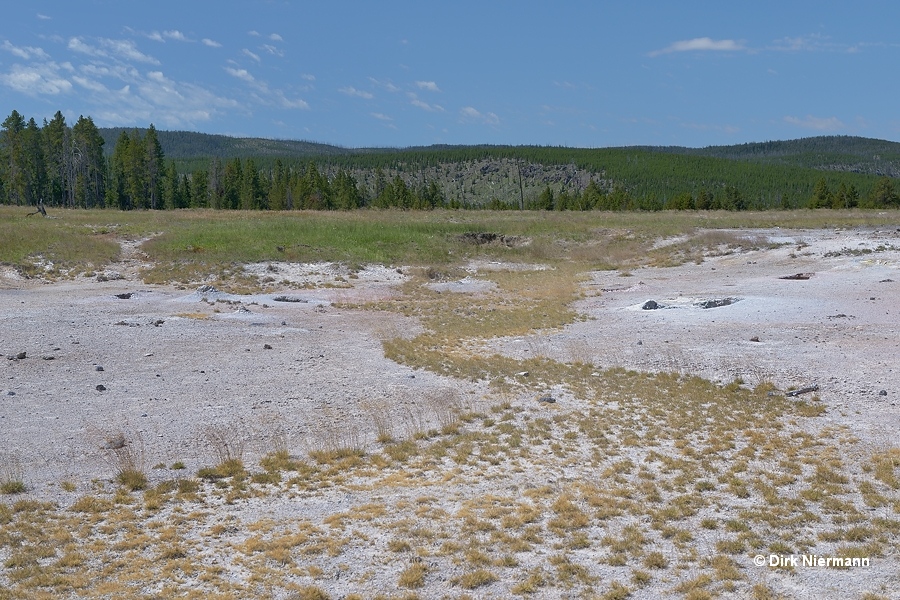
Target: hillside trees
[
  {"x": 56, "y": 164},
  {"x": 67, "y": 166},
  {"x": 883, "y": 195}
]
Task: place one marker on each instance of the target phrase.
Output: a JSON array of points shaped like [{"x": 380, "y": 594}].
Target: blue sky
[{"x": 392, "y": 73}]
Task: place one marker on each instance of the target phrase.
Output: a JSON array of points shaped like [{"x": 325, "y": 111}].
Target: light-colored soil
[
  {"x": 173, "y": 362},
  {"x": 839, "y": 329}
]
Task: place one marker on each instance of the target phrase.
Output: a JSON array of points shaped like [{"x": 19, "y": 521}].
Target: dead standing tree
[{"x": 40, "y": 209}]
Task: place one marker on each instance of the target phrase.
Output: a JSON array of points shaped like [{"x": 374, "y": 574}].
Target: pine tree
[
  {"x": 11, "y": 146},
  {"x": 154, "y": 166}
]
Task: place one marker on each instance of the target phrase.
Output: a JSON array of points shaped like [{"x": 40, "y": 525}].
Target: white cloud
[
  {"x": 211, "y": 43},
  {"x": 469, "y": 114},
  {"x": 381, "y": 116},
  {"x": 703, "y": 44},
  {"x": 76, "y": 45},
  {"x": 253, "y": 32},
  {"x": 124, "y": 50},
  {"x": 242, "y": 74},
  {"x": 308, "y": 77},
  {"x": 43, "y": 17},
  {"x": 414, "y": 100},
  {"x": 387, "y": 85},
  {"x": 156, "y": 36},
  {"x": 174, "y": 34},
  {"x": 273, "y": 50},
  {"x": 24, "y": 52},
  {"x": 428, "y": 85},
  {"x": 286, "y": 102},
  {"x": 90, "y": 84},
  {"x": 127, "y": 49},
  {"x": 275, "y": 37},
  {"x": 816, "y": 123},
  {"x": 352, "y": 91},
  {"x": 35, "y": 80},
  {"x": 247, "y": 52}
]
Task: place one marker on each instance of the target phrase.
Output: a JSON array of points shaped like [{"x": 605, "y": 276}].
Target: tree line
[{"x": 67, "y": 167}]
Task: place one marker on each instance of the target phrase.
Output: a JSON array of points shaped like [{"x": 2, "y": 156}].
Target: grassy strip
[{"x": 209, "y": 241}]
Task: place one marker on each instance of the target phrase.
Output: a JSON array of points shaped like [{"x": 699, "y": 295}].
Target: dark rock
[
  {"x": 882, "y": 393},
  {"x": 158, "y": 322},
  {"x": 98, "y": 368},
  {"x": 754, "y": 338},
  {"x": 267, "y": 347},
  {"x": 289, "y": 299},
  {"x": 48, "y": 357},
  {"x": 640, "y": 343},
  {"x": 124, "y": 296},
  {"x": 547, "y": 399},
  {"x": 101, "y": 388},
  {"x": 717, "y": 302},
  {"x": 886, "y": 281},
  {"x": 651, "y": 305}
]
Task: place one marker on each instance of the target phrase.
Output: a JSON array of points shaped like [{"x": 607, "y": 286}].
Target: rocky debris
[
  {"x": 9, "y": 393},
  {"x": 547, "y": 399},
  {"x": 157, "y": 322},
  {"x": 798, "y": 276},
  {"x": 124, "y": 295},
  {"x": 289, "y": 299},
  {"x": 109, "y": 276},
  {"x": 716, "y": 302},
  {"x": 206, "y": 289},
  {"x": 882, "y": 393},
  {"x": 803, "y": 390},
  {"x": 100, "y": 388},
  {"x": 755, "y": 338},
  {"x": 886, "y": 281},
  {"x": 840, "y": 316},
  {"x": 128, "y": 323},
  {"x": 651, "y": 305},
  {"x": 19, "y": 356},
  {"x": 480, "y": 238},
  {"x": 267, "y": 346},
  {"x": 98, "y": 368},
  {"x": 522, "y": 373}
]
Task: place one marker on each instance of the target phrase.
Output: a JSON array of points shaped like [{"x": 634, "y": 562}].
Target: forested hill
[
  {"x": 180, "y": 145},
  {"x": 824, "y": 153},
  {"x": 80, "y": 165}
]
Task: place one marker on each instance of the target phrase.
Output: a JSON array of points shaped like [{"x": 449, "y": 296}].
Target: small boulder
[
  {"x": 650, "y": 305},
  {"x": 547, "y": 399}
]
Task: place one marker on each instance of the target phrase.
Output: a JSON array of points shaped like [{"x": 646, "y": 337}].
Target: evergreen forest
[{"x": 83, "y": 166}]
